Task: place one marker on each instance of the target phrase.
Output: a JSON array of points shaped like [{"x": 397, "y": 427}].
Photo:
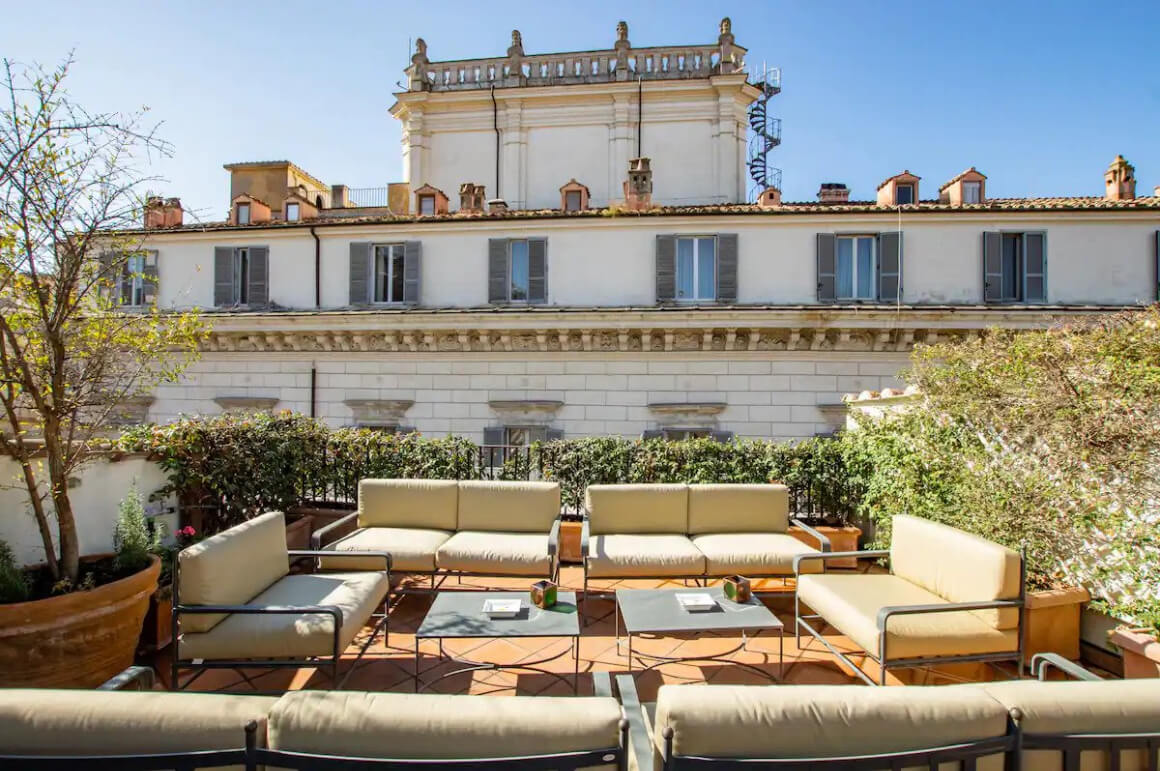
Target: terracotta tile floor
[{"x": 393, "y": 668}]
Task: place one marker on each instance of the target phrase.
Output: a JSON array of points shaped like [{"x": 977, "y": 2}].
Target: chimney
[
  {"x": 1120, "y": 180},
  {"x": 339, "y": 197},
  {"x": 638, "y": 187},
  {"x": 163, "y": 212},
  {"x": 770, "y": 198},
  {"x": 497, "y": 206},
  {"x": 833, "y": 192},
  {"x": 471, "y": 197}
]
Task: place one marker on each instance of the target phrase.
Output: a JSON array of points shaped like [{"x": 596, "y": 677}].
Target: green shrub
[
  {"x": 133, "y": 541},
  {"x": 13, "y": 580}
]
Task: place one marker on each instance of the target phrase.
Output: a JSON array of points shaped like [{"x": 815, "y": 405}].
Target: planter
[
  {"x": 298, "y": 532},
  {"x": 841, "y": 539},
  {"x": 77, "y": 640},
  {"x": 1051, "y": 622},
  {"x": 570, "y": 542},
  {"x": 157, "y": 632},
  {"x": 1141, "y": 651}
]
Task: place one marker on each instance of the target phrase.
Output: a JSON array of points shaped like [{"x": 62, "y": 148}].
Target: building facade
[{"x": 572, "y": 253}]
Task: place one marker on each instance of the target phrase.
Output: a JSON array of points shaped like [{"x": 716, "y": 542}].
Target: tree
[{"x": 71, "y": 194}]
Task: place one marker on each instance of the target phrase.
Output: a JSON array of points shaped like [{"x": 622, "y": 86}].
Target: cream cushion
[
  {"x": 738, "y": 509},
  {"x": 424, "y": 503},
  {"x": 758, "y": 554},
  {"x": 920, "y": 551},
  {"x": 436, "y": 726},
  {"x": 850, "y": 603},
  {"x": 649, "y": 555},
  {"x": 411, "y": 549},
  {"x": 523, "y": 554},
  {"x": 637, "y": 508},
  {"x": 293, "y": 636},
  {"x": 514, "y": 507},
  {"x": 76, "y": 722},
  {"x": 801, "y": 721},
  {"x": 232, "y": 567}
]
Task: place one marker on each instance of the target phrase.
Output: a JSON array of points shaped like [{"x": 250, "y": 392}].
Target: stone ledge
[
  {"x": 246, "y": 403},
  {"x": 688, "y": 408}
]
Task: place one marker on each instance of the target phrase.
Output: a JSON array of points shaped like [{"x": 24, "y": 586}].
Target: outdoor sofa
[
  {"x": 442, "y": 527},
  {"x": 949, "y": 596},
  {"x": 237, "y": 606},
  {"x": 698, "y": 531}
]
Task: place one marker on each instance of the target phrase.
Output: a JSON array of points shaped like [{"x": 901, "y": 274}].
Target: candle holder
[
  {"x": 543, "y": 594},
  {"x": 738, "y": 589}
]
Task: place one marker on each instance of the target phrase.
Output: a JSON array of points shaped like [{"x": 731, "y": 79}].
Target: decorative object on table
[
  {"x": 502, "y": 608},
  {"x": 544, "y": 594},
  {"x": 738, "y": 589},
  {"x": 697, "y": 602}
]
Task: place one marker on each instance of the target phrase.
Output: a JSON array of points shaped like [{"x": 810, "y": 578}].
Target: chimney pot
[
  {"x": 833, "y": 192},
  {"x": 770, "y": 198},
  {"x": 163, "y": 212},
  {"x": 471, "y": 198},
  {"x": 638, "y": 187},
  {"x": 1120, "y": 180},
  {"x": 497, "y": 206}
]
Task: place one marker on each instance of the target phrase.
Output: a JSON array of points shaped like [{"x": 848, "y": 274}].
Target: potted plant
[
  {"x": 72, "y": 355},
  {"x": 157, "y": 631}
]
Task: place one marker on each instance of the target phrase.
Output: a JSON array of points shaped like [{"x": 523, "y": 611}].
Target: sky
[{"x": 1038, "y": 95}]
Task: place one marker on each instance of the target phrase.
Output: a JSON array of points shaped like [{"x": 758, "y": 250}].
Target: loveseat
[
  {"x": 697, "y": 531},
  {"x": 443, "y": 527}
]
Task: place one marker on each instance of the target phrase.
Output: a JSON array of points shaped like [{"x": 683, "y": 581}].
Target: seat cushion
[
  {"x": 76, "y": 722},
  {"x": 645, "y": 555},
  {"x": 423, "y": 503},
  {"x": 738, "y": 509},
  {"x": 757, "y": 554},
  {"x": 437, "y": 726},
  {"x": 411, "y": 549},
  {"x": 512, "y": 507},
  {"x": 232, "y": 567},
  {"x": 292, "y": 636},
  {"x": 522, "y": 554},
  {"x": 637, "y": 508},
  {"x": 851, "y": 603},
  {"x": 808, "y": 721},
  {"x": 981, "y": 569}
]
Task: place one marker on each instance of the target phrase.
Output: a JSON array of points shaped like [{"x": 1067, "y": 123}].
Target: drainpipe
[
  {"x": 495, "y": 126},
  {"x": 317, "y": 269},
  {"x": 313, "y": 390},
  {"x": 639, "y": 109}
]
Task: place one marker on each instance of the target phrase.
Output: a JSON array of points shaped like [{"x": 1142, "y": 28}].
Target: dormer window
[
  {"x": 426, "y": 204},
  {"x": 293, "y": 212},
  {"x": 903, "y": 194},
  {"x": 972, "y": 192},
  {"x": 572, "y": 200},
  {"x": 243, "y": 214}
]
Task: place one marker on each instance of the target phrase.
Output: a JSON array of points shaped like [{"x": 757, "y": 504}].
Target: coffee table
[
  {"x": 657, "y": 611},
  {"x": 459, "y": 615}
]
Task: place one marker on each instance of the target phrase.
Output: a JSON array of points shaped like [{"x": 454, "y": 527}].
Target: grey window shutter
[
  {"x": 259, "y": 276},
  {"x": 555, "y": 434},
  {"x": 223, "y": 276},
  {"x": 360, "y": 273},
  {"x": 889, "y": 266},
  {"x": 666, "y": 268},
  {"x": 1157, "y": 276},
  {"x": 537, "y": 270},
  {"x": 721, "y": 436},
  {"x": 107, "y": 280},
  {"x": 494, "y": 436},
  {"x": 537, "y": 434},
  {"x": 652, "y": 434},
  {"x": 152, "y": 276},
  {"x": 498, "y": 282},
  {"x": 992, "y": 267},
  {"x": 1035, "y": 267},
  {"x": 125, "y": 283},
  {"x": 727, "y": 268},
  {"x": 412, "y": 271},
  {"x": 827, "y": 267}
]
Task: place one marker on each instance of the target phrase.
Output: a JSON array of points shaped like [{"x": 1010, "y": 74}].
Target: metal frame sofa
[
  {"x": 949, "y": 596},
  {"x": 237, "y": 606},
  {"x": 698, "y": 532},
  {"x": 441, "y": 527}
]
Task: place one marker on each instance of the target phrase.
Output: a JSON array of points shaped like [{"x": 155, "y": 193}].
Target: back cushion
[
  {"x": 232, "y": 567},
  {"x": 957, "y": 566},
  {"x": 421, "y": 503},
  {"x": 637, "y": 508},
  {"x": 514, "y": 507},
  {"x": 738, "y": 509}
]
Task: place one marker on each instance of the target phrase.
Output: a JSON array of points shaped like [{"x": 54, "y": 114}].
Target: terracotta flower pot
[
  {"x": 298, "y": 532},
  {"x": 841, "y": 539},
  {"x": 570, "y": 542},
  {"x": 1141, "y": 651},
  {"x": 157, "y": 632},
  {"x": 77, "y": 640},
  {"x": 1051, "y": 622}
]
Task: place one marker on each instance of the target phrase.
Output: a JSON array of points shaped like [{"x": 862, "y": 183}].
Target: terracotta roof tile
[{"x": 959, "y": 176}]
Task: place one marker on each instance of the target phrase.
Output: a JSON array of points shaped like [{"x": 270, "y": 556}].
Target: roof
[
  {"x": 905, "y": 173},
  {"x": 959, "y": 176},
  {"x": 260, "y": 164}
]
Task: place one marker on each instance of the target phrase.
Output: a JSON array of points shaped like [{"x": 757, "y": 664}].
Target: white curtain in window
[
  {"x": 706, "y": 268},
  {"x": 845, "y": 279},
  {"x": 865, "y": 268},
  {"x": 685, "y": 277}
]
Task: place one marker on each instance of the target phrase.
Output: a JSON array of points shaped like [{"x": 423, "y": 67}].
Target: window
[
  {"x": 426, "y": 204},
  {"x": 243, "y": 214},
  {"x": 133, "y": 289},
  {"x": 241, "y": 275},
  {"x": 903, "y": 194},
  {"x": 972, "y": 192},
  {"x": 1015, "y": 267},
  {"x": 292, "y": 212},
  {"x": 679, "y": 434},
  {"x": 856, "y": 266},
  {"x": 572, "y": 200},
  {"x": 388, "y": 273},
  {"x": 518, "y": 270},
  {"x": 697, "y": 268}
]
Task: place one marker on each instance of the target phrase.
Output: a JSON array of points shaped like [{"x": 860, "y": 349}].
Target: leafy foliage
[
  {"x": 133, "y": 540},
  {"x": 13, "y": 580}
]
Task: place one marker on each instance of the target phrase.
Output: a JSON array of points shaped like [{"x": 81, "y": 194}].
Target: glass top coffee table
[
  {"x": 459, "y": 615},
  {"x": 659, "y": 612}
]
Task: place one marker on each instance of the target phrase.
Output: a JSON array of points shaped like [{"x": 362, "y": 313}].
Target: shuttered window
[
  {"x": 138, "y": 282},
  {"x": 696, "y": 268},
  {"x": 1014, "y": 267},
  {"x": 388, "y": 272},
  {"x": 860, "y": 267},
  {"x": 517, "y": 270},
  {"x": 241, "y": 276},
  {"x": 385, "y": 273}
]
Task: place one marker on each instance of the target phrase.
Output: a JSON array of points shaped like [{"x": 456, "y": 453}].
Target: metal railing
[{"x": 354, "y": 197}]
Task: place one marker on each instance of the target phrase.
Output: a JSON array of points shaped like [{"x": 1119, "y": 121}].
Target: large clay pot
[
  {"x": 1141, "y": 651},
  {"x": 570, "y": 542},
  {"x": 841, "y": 539},
  {"x": 1051, "y": 620},
  {"x": 77, "y": 640}
]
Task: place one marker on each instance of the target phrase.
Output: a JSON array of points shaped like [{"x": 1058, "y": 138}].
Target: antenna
[{"x": 766, "y": 133}]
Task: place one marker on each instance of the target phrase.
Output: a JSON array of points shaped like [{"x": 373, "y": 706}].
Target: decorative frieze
[{"x": 246, "y": 403}]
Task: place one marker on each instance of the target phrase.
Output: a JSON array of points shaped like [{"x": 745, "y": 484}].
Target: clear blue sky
[{"x": 1040, "y": 96}]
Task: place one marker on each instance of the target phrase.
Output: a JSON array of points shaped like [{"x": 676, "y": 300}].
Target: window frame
[
  {"x": 975, "y": 186},
  {"x": 898, "y": 187},
  {"x": 297, "y": 211},
  {"x": 527, "y": 273},
  {"x": 1021, "y": 267},
  {"x": 874, "y": 267},
  {"x": 568, "y": 200},
  {"x": 238, "y": 215},
  {"x": 241, "y": 275},
  {"x": 136, "y": 279},
  {"x": 696, "y": 239},
  {"x": 681, "y": 433},
  {"x": 424, "y": 200},
  {"x": 402, "y": 253}
]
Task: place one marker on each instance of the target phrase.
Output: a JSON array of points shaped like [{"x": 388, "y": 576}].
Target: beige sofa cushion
[
  {"x": 649, "y": 555},
  {"x": 738, "y": 509},
  {"x": 425, "y": 503},
  {"x": 292, "y": 636},
  {"x": 411, "y": 549},
  {"x": 513, "y": 507},
  {"x": 75, "y": 722},
  {"x": 435, "y": 726},
  {"x": 850, "y": 603},
  {"x": 981, "y": 570},
  {"x": 232, "y": 567},
  {"x": 637, "y": 508},
  {"x": 522, "y": 554},
  {"x": 756, "y": 554},
  {"x": 798, "y": 721}
]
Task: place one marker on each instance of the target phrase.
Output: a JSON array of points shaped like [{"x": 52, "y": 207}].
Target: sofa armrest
[
  {"x": 317, "y": 536},
  {"x": 829, "y": 555},
  {"x": 1041, "y": 664},
  {"x": 823, "y": 541},
  {"x": 640, "y": 740},
  {"x": 602, "y": 684},
  {"x": 130, "y": 679},
  {"x": 890, "y": 611},
  {"x": 554, "y": 538},
  {"x": 585, "y": 534}
]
